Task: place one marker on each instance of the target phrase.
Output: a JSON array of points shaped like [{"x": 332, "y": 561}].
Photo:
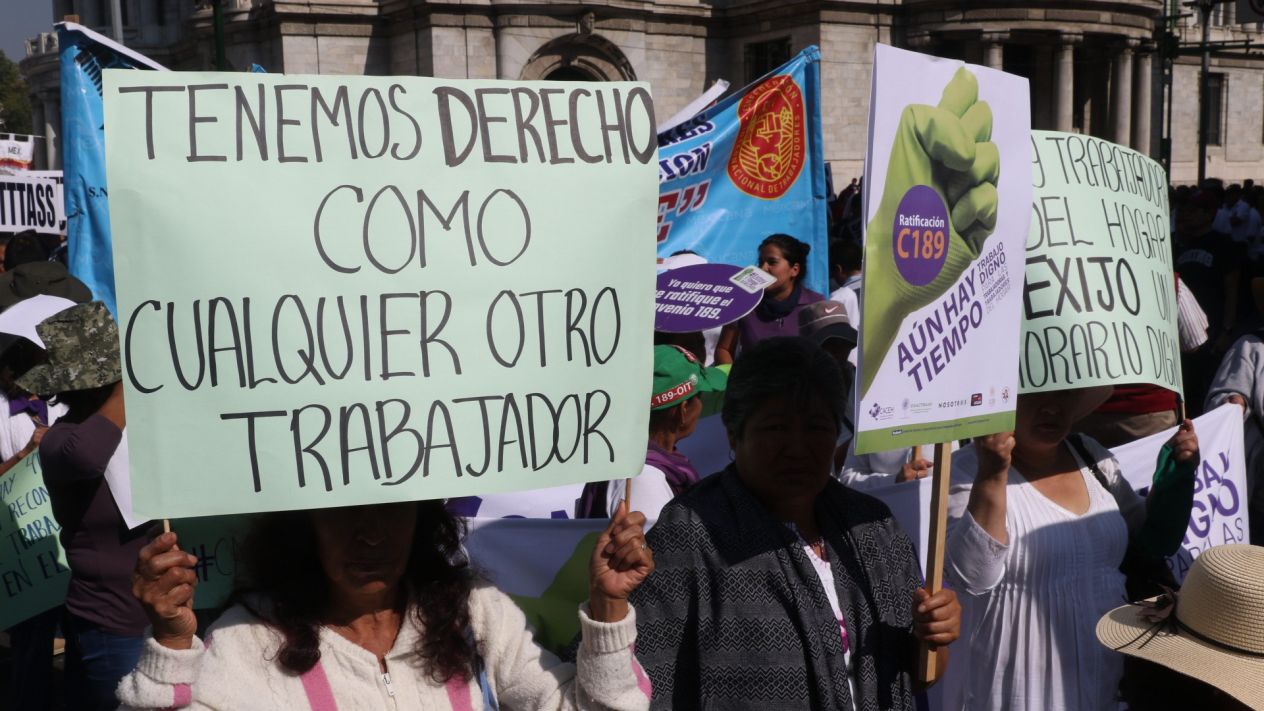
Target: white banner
[
  {"x": 542, "y": 564},
  {"x": 1220, "y": 503},
  {"x": 32, "y": 202},
  {"x": 16, "y": 152}
]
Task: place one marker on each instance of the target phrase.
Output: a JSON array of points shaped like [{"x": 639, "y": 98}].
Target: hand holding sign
[
  {"x": 1185, "y": 443},
  {"x": 620, "y": 563},
  {"x": 164, "y": 581},
  {"x": 913, "y": 470},
  {"x": 938, "y": 207},
  {"x": 936, "y": 617}
]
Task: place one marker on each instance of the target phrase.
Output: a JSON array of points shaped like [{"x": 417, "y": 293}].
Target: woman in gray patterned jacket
[{"x": 777, "y": 587}]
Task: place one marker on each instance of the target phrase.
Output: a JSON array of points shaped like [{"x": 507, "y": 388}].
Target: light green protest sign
[
  {"x": 33, "y": 568},
  {"x": 33, "y": 572},
  {"x": 348, "y": 290},
  {"x": 1099, "y": 305}
]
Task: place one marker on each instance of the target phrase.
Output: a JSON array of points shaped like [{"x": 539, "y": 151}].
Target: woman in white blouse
[{"x": 1035, "y": 544}]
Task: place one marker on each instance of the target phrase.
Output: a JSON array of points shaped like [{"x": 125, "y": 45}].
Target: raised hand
[
  {"x": 620, "y": 563},
  {"x": 1185, "y": 443},
  {"x": 995, "y": 454}
]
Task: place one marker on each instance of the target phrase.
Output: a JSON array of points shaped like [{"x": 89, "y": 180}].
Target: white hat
[
  {"x": 1212, "y": 630},
  {"x": 676, "y": 261}
]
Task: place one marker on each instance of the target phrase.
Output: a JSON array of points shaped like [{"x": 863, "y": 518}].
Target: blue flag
[
  {"x": 750, "y": 166},
  {"x": 84, "y": 54}
]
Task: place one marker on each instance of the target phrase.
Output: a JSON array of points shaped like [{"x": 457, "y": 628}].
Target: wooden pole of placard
[{"x": 928, "y": 656}]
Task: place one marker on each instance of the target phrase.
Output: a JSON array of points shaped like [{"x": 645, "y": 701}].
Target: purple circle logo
[{"x": 920, "y": 235}]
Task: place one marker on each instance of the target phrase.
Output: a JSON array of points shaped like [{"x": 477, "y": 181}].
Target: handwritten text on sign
[
  {"x": 382, "y": 289},
  {"x": 33, "y": 572},
  {"x": 33, "y": 566},
  {"x": 1099, "y": 305}
]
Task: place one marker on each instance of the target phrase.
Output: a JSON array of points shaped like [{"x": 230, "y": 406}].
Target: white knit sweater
[{"x": 237, "y": 670}]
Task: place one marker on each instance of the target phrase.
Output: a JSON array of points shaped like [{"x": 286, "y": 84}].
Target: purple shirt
[
  {"x": 100, "y": 549},
  {"x": 754, "y": 329}
]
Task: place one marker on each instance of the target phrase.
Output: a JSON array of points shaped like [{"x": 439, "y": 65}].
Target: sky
[{"x": 20, "y": 20}]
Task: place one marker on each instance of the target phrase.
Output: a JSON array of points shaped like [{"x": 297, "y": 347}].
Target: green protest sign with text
[
  {"x": 33, "y": 572},
  {"x": 33, "y": 568},
  {"x": 348, "y": 290},
  {"x": 1099, "y": 304}
]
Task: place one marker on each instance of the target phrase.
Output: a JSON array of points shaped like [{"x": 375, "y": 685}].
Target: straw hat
[{"x": 1213, "y": 632}]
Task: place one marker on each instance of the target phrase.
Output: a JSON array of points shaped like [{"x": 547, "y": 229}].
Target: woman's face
[
  {"x": 774, "y": 262},
  {"x": 1045, "y": 419},
  {"x": 364, "y": 549},
  {"x": 786, "y": 449}
]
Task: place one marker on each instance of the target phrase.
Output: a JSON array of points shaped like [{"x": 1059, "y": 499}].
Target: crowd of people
[{"x": 777, "y": 583}]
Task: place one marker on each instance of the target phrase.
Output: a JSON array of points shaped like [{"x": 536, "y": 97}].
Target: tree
[{"x": 15, "y": 100}]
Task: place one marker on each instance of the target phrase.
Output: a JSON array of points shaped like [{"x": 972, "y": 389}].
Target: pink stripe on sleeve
[
  {"x": 182, "y": 695},
  {"x": 458, "y": 688},
  {"x": 642, "y": 681},
  {"x": 316, "y": 685}
]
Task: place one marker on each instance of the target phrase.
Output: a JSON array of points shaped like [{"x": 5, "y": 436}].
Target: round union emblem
[{"x": 772, "y": 143}]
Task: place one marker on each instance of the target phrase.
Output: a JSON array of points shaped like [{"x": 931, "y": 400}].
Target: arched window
[{"x": 579, "y": 57}]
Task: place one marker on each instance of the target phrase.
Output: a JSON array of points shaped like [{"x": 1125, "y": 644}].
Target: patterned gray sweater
[{"x": 734, "y": 616}]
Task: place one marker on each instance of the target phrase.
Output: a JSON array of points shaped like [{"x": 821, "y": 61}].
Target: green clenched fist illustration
[{"x": 938, "y": 207}]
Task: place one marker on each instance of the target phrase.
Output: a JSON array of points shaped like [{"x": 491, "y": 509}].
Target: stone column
[
  {"x": 1042, "y": 90},
  {"x": 1121, "y": 94},
  {"x": 52, "y": 132},
  {"x": 1142, "y": 102},
  {"x": 37, "y": 124},
  {"x": 1064, "y": 77},
  {"x": 994, "y": 50}
]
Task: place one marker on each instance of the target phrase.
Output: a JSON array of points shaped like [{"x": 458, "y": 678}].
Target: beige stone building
[{"x": 1092, "y": 63}]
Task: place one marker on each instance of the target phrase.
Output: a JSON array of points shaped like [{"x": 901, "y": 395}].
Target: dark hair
[
  {"x": 694, "y": 342},
  {"x": 791, "y": 367},
  {"x": 793, "y": 250},
  {"x": 846, "y": 254},
  {"x": 21, "y": 355},
  {"x": 24, "y": 248},
  {"x": 82, "y": 403},
  {"x": 281, "y": 563}
]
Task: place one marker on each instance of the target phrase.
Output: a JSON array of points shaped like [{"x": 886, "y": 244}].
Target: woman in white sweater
[
  {"x": 374, "y": 607},
  {"x": 1035, "y": 540}
]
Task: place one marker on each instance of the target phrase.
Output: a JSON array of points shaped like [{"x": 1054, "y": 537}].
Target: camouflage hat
[{"x": 83, "y": 351}]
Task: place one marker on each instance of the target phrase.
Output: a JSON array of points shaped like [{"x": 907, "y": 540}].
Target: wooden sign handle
[{"x": 928, "y": 658}]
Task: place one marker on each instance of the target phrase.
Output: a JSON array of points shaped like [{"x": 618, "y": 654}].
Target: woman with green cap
[{"x": 675, "y": 408}]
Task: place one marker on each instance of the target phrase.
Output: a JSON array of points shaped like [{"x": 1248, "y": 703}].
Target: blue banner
[
  {"x": 750, "y": 166},
  {"x": 84, "y": 54}
]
